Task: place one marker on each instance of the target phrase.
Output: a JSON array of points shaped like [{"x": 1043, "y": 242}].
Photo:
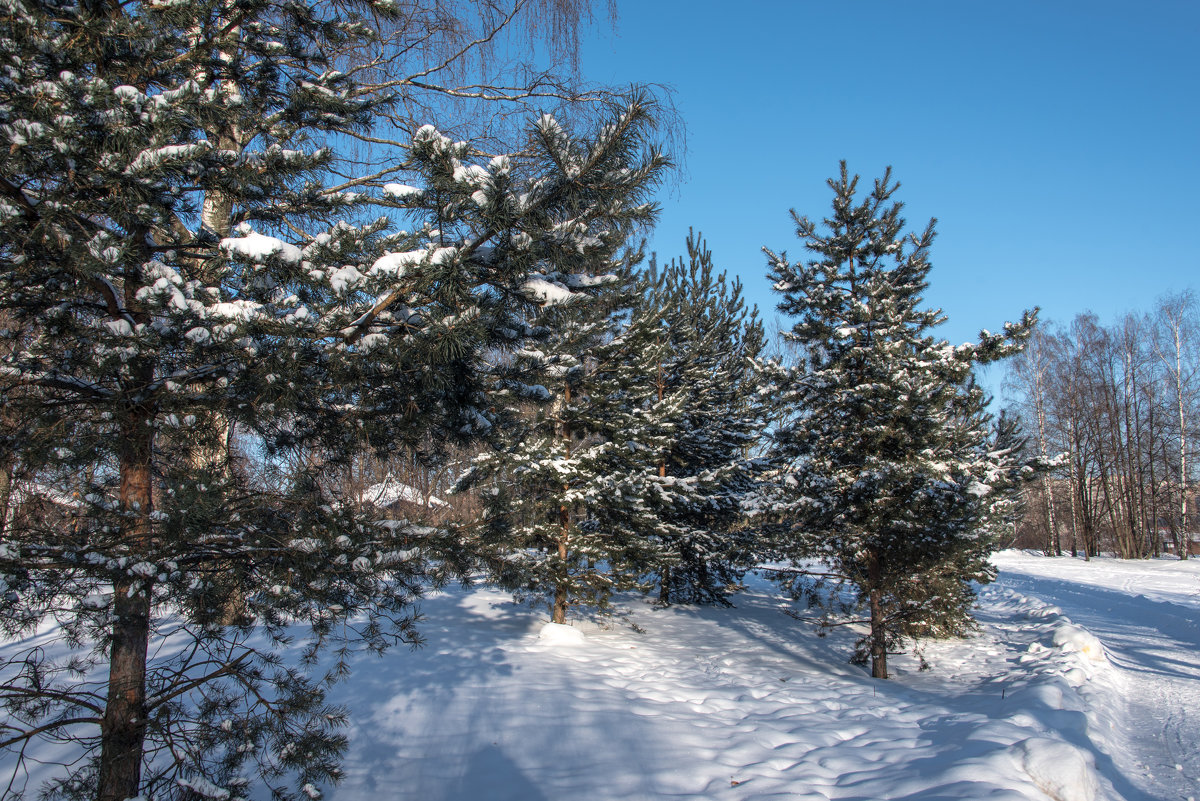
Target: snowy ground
[
  {"x": 747, "y": 703},
  {"x": 1147, "y": 614}
]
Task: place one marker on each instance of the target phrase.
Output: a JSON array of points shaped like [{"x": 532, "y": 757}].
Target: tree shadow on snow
[{"x": 1119, "y": 619}]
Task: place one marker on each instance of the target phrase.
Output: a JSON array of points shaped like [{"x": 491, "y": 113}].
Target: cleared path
[{"x": 1150, "y": 626}]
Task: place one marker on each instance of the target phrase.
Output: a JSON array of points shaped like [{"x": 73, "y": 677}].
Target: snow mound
[
  {"x": 1059, "y": 769},
  {"x": 1069, "y": 637},
  {"x": 559, "y": 634}
]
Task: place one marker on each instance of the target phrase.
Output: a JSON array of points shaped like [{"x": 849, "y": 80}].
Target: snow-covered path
[{"x": 1147, "y": 614}]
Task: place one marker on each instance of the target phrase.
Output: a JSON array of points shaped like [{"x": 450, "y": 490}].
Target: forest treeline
[{"x": 1114, "y": 407}]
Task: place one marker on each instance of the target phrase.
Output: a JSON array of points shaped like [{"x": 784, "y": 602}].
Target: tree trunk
[
  {"x": 1183, "y": 445},
  {"x": 1087, "y": 532},
  {"x": 561, "y": 595},
  {"x": 559, "y": 610},
  {"x": 1053, "y": 543},
  {"x": 879, "y": 668},
  {"x": 124, "y": 725},
  {"x": 1152, "y": 530},
  {"x": 6, "y": 487}
]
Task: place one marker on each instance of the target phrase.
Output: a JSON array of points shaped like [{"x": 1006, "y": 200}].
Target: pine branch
[{"x": 47, "y": 727}]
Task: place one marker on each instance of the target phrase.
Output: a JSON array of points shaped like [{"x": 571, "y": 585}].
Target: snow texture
[
  {"x": 401, "y": 191},
  {"x": 747, "y": 703},
  {"x": 1144, "y": 702},
  {"x": 1062, "y": 771},
  {"x": 546, "y": 292},
  {"x": 558, "y": 634}
]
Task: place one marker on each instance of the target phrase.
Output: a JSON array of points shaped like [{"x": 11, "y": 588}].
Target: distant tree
[
  {"x": 884, "y": 466},
  {"x": 1030, "y": 374},
  {"x": 1176, "y": 343},
  {"x": 1117, "y": 401}
]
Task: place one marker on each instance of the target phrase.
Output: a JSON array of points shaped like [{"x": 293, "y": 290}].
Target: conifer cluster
[{"x": 208, "y": 314}]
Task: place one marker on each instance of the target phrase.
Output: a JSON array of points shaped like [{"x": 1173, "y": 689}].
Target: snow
[
  {"x": 205, "y": 788},
  {"x": 397, "y": 264},
  {"x": 1080, "y": 686},
  {"x": 742, "y": 703},
  {"x": 344, "y": 279},
  {"x": 257, "y": 247},
  {"x": 1072, "y": 637},
  {"x": 152, "y": 158},
  {"x": 546, "y": 292},
  {"x": 1146, "y": 615},
  {"x": 401, "y": 191},
  {"x": 391, "y": 490},
  {"x": 560, "y": 635},
  {"x": 1062, "y": 771},
  {"x": 470, "y": 174}
]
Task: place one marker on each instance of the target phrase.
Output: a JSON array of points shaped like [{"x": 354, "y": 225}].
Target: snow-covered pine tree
[
  {"x": 707, "y": 346},
  {"x": 633, "y": 472},
  {"x": 884, "y": 469},
  {"x": 564, "y": 519},
  {"x": 138, "y": 332},
  {"x": 1017, "y": 465}
]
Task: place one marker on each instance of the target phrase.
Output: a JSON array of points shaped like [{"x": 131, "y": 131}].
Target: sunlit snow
[{"x": 1080, "y": 686}]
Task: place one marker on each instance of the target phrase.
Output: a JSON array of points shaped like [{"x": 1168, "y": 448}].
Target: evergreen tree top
[{"x": 863, "y": 287}]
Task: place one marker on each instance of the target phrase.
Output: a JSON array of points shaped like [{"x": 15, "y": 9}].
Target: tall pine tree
[{"x": 885, "y": 470}]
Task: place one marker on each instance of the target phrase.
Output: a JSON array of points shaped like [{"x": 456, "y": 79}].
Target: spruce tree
[
  {"x": 884, "y": 468},
  {"x": 166, "y": 290}
]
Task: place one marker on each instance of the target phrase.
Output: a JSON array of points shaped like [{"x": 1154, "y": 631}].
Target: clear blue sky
[{"x": 1057, "y": 143}]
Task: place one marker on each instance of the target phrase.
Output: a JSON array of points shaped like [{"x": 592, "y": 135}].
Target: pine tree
[
  {"x": 885, "y": 471},
  {"x": 632, "y": 470},
  {"x": 166, "y": 290},
  {"x": 566, "y": 480},
  {"x": 561, "y": 520},
  {"x": 1009, "y": 449},
  {"x": 709, "y": 344}
]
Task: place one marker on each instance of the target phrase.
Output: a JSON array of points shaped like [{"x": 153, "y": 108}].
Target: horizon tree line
[{"x": 1115, "y": 408}]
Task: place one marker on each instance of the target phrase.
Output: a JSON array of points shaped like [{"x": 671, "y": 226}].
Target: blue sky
[{"x": 1057, "y": 143}]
